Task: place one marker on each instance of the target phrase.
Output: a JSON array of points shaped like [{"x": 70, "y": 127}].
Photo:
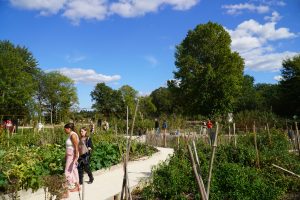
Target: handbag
[{"x": 82, "y": 148}]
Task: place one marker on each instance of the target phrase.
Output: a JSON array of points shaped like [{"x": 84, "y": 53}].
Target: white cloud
[
  {"x": 236, "y": 9},
  {"x": 253, "y": 41},
  {"x": 278, "y": 78},
  {"x": 87, "y": 76},
  {"x": 274, "y": 18},
  {"x": 85, "y": 9},
  {"x": 44, "y": 6},
  {"x": 152, "y": 60},
  {"x": 133, "y": 8},
  {"x": 76, "y": 10}
]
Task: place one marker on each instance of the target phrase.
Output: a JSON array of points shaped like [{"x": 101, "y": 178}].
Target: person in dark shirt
[{"x": 85, "y": 148}]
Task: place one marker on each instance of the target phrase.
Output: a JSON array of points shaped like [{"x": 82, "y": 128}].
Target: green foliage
[
  {"x": 57, "y": 95},
  {"x": 163, "y": 100},
  {"x": 108, "y": 101},
  {"x": 209, "y": 75},
  {"x": 289, "y": 87},
  {"x": 18, "y": 70},
  {"x": 34, "y": 160},
  {"x": 234, "y": 173}
]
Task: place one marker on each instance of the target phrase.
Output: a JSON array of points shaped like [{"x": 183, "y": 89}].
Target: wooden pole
[
  {"x": 229, "y": 133},
  {"x": 297, "y": 137},
  {"x": 198, "y": 164},
  {"x": 165, "y": 138},
  {"x": 256, "y": 149},
  {"x": 125, "y": 179},
  {"x": 214, "y": 146},
  {"x": 290, "y": 172},
  {"x": 269, "y": 135},
  {"x": 234, "y": 134},
  {"x": 200, "y": 187}
]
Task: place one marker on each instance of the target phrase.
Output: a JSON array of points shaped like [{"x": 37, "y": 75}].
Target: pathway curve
[{"x": 108, "y": 182}]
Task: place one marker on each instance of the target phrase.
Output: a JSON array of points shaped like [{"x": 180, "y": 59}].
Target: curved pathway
[{"x": 108, "y": 182}]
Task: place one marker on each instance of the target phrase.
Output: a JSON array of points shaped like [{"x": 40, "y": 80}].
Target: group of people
[
  {"x": 78, "y": 152},
  {"x": 8, "y": 126},
  {"x": 157, "y": 126}
]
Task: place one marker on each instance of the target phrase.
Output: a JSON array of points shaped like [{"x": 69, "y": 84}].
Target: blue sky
[{"x": 133, "y": 41}]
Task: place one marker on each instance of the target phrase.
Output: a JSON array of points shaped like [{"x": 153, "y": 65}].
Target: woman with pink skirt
[{"x": 72, "y": 155}]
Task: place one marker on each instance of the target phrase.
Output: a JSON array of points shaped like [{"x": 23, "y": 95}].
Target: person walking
[
  {"x": 211, "y": 134},
  {"x": 156, "y": 126},
  {"x": 72, "y": 155},
  {"x": 85, "y": 148}
]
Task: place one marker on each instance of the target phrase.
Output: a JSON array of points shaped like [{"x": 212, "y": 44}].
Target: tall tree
[
  {"x": 209, "y": 74},
  {"x": 247, "y": 97},
  {"x": 18, "y": 72},
  {"x": 108, "y": 101},
  {"x": 162, "y": 99},
  {"x": 290, "y": 86},
  {"x": 58, "y": 95},
  {"x": 267, "y": 96},
  {"x": 129, "y": 95}
]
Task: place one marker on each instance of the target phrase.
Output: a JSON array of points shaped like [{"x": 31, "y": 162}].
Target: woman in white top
[{"x": 72, "y": 155}]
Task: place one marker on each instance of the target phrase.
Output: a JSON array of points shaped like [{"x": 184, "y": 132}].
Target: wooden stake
[
  {"x": 256, "y": 149},
  {"x": 125, "y": 185},
  {"x": 211, "y": 162},
  {"x": 198, "y": 164},
  {"x": 234, "y": 134},
  {"x": 297, "y": 138},
  {"x": 269, "y": 135},
  {"x": 229, "y": 133},
  {"x": 286, "y": 170},
  {"x": 201, "y": 187}
]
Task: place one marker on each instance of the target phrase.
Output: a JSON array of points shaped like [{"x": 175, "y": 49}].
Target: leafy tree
[
  {"x": 107, "y": 101},
  {"x": 289, "y": 86},
  {"x": 209, "y": 74},
  {"x": 146, "y": 107},
  {"x": 129, "y": 95},
  {"x": 163, "y": 100},
  {"x": 247, "y": 98},
  {"x": 58, "y": 95},
  {"x": 266, "y": 96},
  {"x": 18, "y": 72}
]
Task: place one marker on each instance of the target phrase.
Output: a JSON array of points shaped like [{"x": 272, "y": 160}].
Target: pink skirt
[{"x": 71, "y": 171}]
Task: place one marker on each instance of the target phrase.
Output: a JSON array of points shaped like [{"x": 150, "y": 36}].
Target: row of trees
[
  {"x": 26, "y": 90},
  {"x": 208, "y": 81}
]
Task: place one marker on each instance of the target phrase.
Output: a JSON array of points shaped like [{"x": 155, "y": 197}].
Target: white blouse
[{"x": 69, "y": 144}]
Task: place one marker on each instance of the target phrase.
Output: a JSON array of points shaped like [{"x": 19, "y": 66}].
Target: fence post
[
  {"x": 297, "y": 137},
  {"x": 255, "y": 144}
]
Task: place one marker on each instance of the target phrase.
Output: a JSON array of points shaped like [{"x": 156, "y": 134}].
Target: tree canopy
[
  {"x": 18, "y": 72},
  {"x": 290, "y": 86},
  {"x": 107, "y": 101},
  {"x": 209, "y": 74}
]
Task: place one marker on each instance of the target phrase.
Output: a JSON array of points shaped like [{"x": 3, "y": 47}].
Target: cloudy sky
[{"x": 133, "y": 41}]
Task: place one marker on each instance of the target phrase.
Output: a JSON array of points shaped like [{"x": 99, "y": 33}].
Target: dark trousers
[{"x": 84, "y": 166}]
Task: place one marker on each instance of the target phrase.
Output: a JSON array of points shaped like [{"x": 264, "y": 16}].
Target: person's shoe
[{"x": 90, "y": 181}]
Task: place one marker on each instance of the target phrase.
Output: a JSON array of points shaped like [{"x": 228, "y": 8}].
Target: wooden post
[
  {"x": 246, "y": 129},
  {"x": 229, "y": 133},
  {"x": 297, "y": 137},
  {"x": 234, "y": 134},
  {"x": 165, "y": 138},
  {"x": 269, "y": 135},
  {"x": 211, "y": 162},
  {"x": 198, "y": 178},
  {"x": 256, "y": 149},
  {"x": 198, "y": 164},
  {"x": 286, "y": 170},
  {"x": 125, "y": 185}
]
